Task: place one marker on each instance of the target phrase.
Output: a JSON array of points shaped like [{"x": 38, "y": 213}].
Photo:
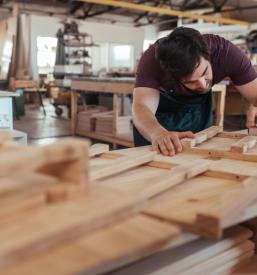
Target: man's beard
[{"x": 202, "y": 91}]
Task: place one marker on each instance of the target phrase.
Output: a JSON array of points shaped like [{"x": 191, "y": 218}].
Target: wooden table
[
  {"x": 116, "y": 86},
  {"x": 122, "y": 86},
  {"x": 37, "y": 91}
]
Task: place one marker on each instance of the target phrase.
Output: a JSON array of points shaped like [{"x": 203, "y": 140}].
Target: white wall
[{"x": 102, "y": 33}]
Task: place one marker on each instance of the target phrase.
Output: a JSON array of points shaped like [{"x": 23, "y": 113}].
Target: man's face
[{"x": 200, "y": 81}]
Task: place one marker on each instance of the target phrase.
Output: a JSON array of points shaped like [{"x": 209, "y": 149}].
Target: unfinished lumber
[
  {"x": 208, "y": 266},
  {"x": 231, "y": 135},
  {"x": 141, "y": 236},
  {"x": 237, "y": 167},
  {"x": 201, "y": 136},
  {"x": 49, "y": 227},
  {"x": 198, "y": 167},
  {"x": 25, "y": 181},
  {"x": 253, "y": 131},
  {"x": 181, "y": 204},
  {"x": 212, "y": 131},
  {"x": 120, "y": 165},
  {"x": 226, "y": 207},
  {"x": 217, "y": 154},
  {"x": 66, "y": 159},
  {"x": 97, "y": 149},
  {"x": 4, "y": 137},
  {"x": 244, "y": 144},
  {"x": 232, "y": 266},
  {"x": 180, "y": 259}
]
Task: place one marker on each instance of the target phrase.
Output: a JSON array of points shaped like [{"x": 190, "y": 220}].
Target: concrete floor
[{"x": 43, "y": 129}]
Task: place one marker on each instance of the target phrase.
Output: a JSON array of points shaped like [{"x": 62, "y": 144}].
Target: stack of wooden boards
[
  {"x": 98, "y": 119},
  {"x": 104, "y": 124},
  {"x": 137, "y": 204},
  {"x": 86, "y": 120},
  {"x": 199, "y": 257}
]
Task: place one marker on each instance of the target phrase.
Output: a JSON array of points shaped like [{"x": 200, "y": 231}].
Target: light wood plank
[
  {"x": 117, "y": 245},
  {"x": 244, "y": 144},
  {"x": 97, "y": 149}
]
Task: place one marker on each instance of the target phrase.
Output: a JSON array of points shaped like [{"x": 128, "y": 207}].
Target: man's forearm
[{"x": 145, "y": 121}]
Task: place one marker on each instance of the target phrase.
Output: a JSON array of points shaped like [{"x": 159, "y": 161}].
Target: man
[{"x": 172, "y": 97}]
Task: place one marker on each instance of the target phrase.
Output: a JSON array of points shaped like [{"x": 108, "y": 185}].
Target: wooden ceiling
[{"x": 84, "y": 10}]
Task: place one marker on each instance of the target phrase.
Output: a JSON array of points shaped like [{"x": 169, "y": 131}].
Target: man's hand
[
  {"x": 168, "y": 143},
  {"x": 251, "y": 115}
]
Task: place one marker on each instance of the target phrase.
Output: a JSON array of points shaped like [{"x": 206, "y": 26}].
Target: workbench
[
  {"x": 116, "y": 86},
  {"x": 122, "y": 87}
]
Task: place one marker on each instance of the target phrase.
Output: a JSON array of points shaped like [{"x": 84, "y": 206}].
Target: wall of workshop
[{"x": 102, "y": 33}]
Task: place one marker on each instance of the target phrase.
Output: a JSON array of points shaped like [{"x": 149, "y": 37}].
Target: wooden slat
[
  {"x": 244, "y": 144},
  {"x": 214, "y": 153},
  {"x": 66, "y": 159},
  {"x": 119, "y": 244},
  {"x": 201, "y": 136},
  {"x": 121, "y": 164},
  {"x": 253, "y": 131},
  {"x": 210, "y": 265},
  {"x": 181, "y": 204},
  {"x": 212, "y": 220},
  {"x": 98, "y": 149},
  {"x": 181, "y": 259},
  {"x": 59, "y": 223}
]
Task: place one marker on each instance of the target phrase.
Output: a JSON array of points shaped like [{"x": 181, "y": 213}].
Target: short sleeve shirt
[{"x": 226, "y": 59}]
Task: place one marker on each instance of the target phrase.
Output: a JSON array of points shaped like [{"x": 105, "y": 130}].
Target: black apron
[{"x": 181, "y": 113}]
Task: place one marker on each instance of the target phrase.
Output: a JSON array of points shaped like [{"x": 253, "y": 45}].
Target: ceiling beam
[{"x": 141, "y": 7}]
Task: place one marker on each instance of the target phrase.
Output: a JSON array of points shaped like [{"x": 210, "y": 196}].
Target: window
[
  {"x": 46, "y": 54},
  {"x": 6, "y": 59},
  {"x": 121, "y": 56}
]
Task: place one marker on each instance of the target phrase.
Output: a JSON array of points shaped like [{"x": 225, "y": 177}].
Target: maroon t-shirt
[{"x": 226, "y": 59}]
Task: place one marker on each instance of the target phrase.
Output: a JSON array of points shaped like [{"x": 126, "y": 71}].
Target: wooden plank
[
  {"x": 97, "y": 149},
  {"x": 244, "y": 144},
  {"x": 214, "y": 153},
  {"x": 4, "y": 137},
  {"x": 212, "y": 131},
  {"x": 66, "y": 159},
  {"x": 147, "y": 182},
  {"x": 181, "y": 259},
  {"x": 50, "y": 227},
  {"x": 231, "y": 135},
  {"x": 24, "y": 181},
  {"x": 207, "y": 267},
  {"x": 235, "y": 264},
  {"x": 212, "y": 220},
  {"x": 253, "y": 131},
  {"x": 250, "y": 268},
  {"x": 238, "y": 168},
  {"x": 181, "y": 204},
  {"x": 120, "y": 165},
  {"x": 201, "y": 136},
  {"x": 117, "y": 245}
]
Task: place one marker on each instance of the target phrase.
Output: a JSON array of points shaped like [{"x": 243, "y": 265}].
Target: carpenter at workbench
[{"x": 172, "y": 97}]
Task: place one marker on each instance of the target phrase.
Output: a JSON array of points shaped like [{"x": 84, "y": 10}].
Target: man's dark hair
[{"x": 179, "y": 53}]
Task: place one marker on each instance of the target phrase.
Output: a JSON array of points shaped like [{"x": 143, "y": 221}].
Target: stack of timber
[
  {"x": 86, "y": 120},
  {"x": 252, "y": 225},
  {"x": 104, "y": 124},
  {"x": 103, "y": 210},
  {"x": 199, "y": 257}
]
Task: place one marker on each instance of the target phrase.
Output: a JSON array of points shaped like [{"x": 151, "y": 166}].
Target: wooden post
[
  {"x": 220, "y": 107},
  {"x": 74, "y": 112},
  {"x": 115, "y": 115}
]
